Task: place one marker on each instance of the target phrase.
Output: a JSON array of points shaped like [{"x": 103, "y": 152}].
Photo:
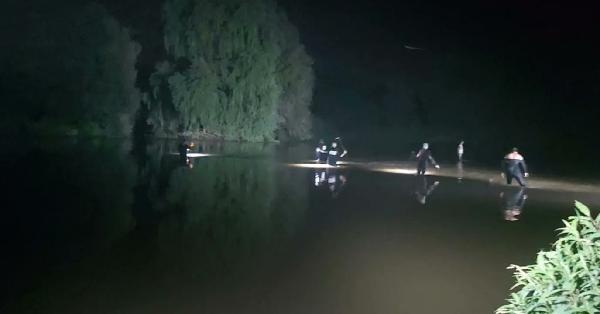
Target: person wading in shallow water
[
  {"x": 514, "y": 167},
  {"x": 321, "y": 152},
  {"x": 460, "y": 150},
  {"x": 335, "y": 153},
  {"x": 184, "y": 148},
  {"x": 424, "y": 158}
]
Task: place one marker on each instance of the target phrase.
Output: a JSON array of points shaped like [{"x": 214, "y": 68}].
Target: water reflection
[
  {"x": 222, "y": 209},
  {"x": 331, "y": 178},
  {"x": 460, "y": 171},
  {"x": 189, "y": 219},
  {"x": 423, "y": 188},
  {"x": 63, "y": 199},
  {"x": 242, "y": 231},
  {"x": 513, "y": 202}
]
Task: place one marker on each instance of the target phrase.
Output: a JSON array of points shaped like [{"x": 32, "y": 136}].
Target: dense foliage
[
  {"x": 71, "y": 71},
  {"x": 565, "y": 279},
  {"x": 238, "y": 71}
]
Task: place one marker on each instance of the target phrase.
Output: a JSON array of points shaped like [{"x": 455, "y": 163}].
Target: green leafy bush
[
  {"x": 239, "y": 72},
  {"x": 565, "y": 279}
]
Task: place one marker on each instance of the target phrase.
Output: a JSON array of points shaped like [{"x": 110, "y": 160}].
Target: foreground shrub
[{"x": 565, "y": 279}]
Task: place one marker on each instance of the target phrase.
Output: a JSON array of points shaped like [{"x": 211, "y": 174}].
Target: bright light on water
[
  {"x": 195, "y": 155},
  {"x": 459, "y": 172},
  {"x": 396, "y": 170},
  {"x": 314, "y": 166}
]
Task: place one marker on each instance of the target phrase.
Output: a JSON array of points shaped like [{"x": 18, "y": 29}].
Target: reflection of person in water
[
  {"x": 513, "y": 203},
  {"x": 424, "y": 158},
  {"x": 320, "y": 177},
  {"x": 423, "y": 189},
  {"x": 514, "y": 167},
  {"x": 334, "y": 181}
]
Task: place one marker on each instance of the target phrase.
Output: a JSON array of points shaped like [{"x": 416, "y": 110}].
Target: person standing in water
[
  {"x": 335, "y": 153},
  {"x": 318, "y": 150},
  {"x": 514, "y": 167},
  {"x": 424, "y": 158},
  {"x": 460, "y": 150},
  {"x": 184, "y": 148},
  {"x": 321, "y": 152}
]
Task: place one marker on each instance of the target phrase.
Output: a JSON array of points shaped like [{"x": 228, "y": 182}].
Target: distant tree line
[
  {"x": 235, "y": 70},
  {"x": 71, "y": 70}
]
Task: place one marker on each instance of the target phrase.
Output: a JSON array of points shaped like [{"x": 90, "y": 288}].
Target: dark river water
[{"x": 104, "y": 227}]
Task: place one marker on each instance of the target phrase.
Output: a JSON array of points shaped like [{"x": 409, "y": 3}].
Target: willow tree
[{"x": 245, "y": 73}]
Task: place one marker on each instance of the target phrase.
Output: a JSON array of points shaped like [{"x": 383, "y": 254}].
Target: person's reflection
[
  {"x": 336, "y": 184},
  {"x": 513, "y": 202},
  {"x": 460, "y": 171},
  {"x": 189, "y": 163},
  {"x": 186, "y": 162},
  {"x": 320, "y": 177},
  {"x": 423, "y": 189},
  {"x": 334, "y": 181}
]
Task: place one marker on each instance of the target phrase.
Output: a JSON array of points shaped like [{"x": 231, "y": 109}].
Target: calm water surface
[{"x": 92, "y": 227}]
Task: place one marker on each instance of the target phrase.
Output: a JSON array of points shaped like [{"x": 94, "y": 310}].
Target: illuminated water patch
[
  {"x": 314, "y": 166},
  {"x": 396, "y": 170},
  {"x": 195, "y": 155},
  {"x": 460, "y": 172}
]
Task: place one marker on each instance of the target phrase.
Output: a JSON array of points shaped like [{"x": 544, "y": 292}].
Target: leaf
[{"x": 583, "y": 209}]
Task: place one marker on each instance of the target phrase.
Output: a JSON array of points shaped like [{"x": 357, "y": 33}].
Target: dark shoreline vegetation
[{"x": 233, "y": 70}]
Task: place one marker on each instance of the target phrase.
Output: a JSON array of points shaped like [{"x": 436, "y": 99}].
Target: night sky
[
  {"x": 548, "y": 49},
  {"x": 513, "y": 72}
]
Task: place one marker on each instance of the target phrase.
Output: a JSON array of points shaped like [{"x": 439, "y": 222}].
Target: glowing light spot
[
  {"x": 194, "y": 155},
  {"x": 395, "y": 170},
  {"x": 460, "y": 173},
  {"x": 314, "y": 166}
]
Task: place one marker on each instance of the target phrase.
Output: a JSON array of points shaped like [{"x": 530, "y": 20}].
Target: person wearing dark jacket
[
  {"x": 335, "y": 153},
  {"x": 184, "y": 149},
  {"x": 423, "y": 159},
  {"x": 514, "y": 167},
  {"x": 321, "y": 152}
]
